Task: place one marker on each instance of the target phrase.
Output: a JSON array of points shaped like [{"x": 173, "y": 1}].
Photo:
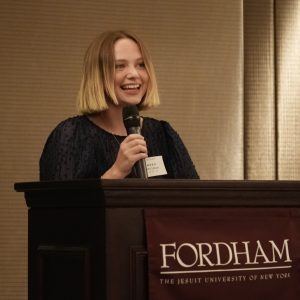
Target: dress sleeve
[
  {"x": 179, "y": 158},
  {"x": 66, "y": 154}
]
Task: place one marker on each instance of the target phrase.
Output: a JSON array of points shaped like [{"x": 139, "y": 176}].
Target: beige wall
[
  {"x": 288, "y": 88},
  {"x": 259, "y": 91},
  {"x": 227, "y": 72},
  {"x": 271, "y": 89}
]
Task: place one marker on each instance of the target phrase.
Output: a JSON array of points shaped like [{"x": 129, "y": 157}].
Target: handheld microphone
[{"x": 132, "y": 124}]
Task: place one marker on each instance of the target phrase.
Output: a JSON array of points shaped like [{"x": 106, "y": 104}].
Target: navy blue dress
[{"x": 78, "y": 149}]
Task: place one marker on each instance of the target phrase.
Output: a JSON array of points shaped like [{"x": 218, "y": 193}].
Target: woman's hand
[{"x": 132, "y": 149}]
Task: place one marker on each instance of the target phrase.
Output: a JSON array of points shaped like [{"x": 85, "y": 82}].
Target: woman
[{"x": 117, "y": 72}]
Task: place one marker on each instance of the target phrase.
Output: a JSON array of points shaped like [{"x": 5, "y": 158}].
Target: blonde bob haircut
[{"x": 97, "y": 84}]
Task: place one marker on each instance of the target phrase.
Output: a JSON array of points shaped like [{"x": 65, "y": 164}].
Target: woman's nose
[{"x": 132, "y": 72}]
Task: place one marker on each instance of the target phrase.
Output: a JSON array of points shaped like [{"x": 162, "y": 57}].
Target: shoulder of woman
[
  {"x": 75, "y": 123},
  {"x": 161, "y": 125},
  {"x": 71, "y": 122},
  {"x": 151, "y": 122},
  {"x": 68, "y": 127}
]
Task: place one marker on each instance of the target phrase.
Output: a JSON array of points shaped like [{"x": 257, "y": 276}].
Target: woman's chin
[{"x": 129, "y": 102}]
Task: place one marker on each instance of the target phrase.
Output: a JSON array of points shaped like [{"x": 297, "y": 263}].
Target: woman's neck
[{"x": 110, "y": 120}]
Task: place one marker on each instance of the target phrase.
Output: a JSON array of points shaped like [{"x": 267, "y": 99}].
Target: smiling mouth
[{"x": 130, "y": 87}]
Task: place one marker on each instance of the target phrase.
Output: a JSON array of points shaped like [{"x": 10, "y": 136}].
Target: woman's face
[{"x": 131, "y": 77}]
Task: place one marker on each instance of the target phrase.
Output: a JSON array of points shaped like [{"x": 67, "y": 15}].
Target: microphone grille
[
  {"x": 131, "y": 117},
  {"x": 130, "y": 111}
]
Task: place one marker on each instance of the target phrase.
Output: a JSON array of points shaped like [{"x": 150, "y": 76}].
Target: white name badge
[{"x": 155, "y": 166}]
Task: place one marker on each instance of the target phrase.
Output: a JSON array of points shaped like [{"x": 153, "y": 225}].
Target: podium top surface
[
  {"x": 161, "y": 193},
  {"x": 110, "y": 184}
]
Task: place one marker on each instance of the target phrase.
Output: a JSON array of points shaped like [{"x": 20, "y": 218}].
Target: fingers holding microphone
[{"x": 131, "y": 150}]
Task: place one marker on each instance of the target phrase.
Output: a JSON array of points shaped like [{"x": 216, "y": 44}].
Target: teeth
[{"x": 130, "y": 86}]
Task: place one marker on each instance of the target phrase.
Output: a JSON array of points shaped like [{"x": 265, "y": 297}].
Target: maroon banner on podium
[{"x": 223, "y": 253}]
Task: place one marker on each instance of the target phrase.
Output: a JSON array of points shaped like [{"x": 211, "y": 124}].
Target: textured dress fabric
[{"x": 79, "y": 149}]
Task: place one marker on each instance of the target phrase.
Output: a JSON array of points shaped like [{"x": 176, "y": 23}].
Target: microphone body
[{"x": 131, "y": 121}]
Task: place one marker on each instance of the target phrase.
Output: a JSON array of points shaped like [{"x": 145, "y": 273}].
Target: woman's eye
[
  {"x": 119, "y": 66},
  {"x": 142, "y": 65}
]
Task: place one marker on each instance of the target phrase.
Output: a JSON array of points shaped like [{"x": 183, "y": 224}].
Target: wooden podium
[{"x": 87, "y": 238}]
